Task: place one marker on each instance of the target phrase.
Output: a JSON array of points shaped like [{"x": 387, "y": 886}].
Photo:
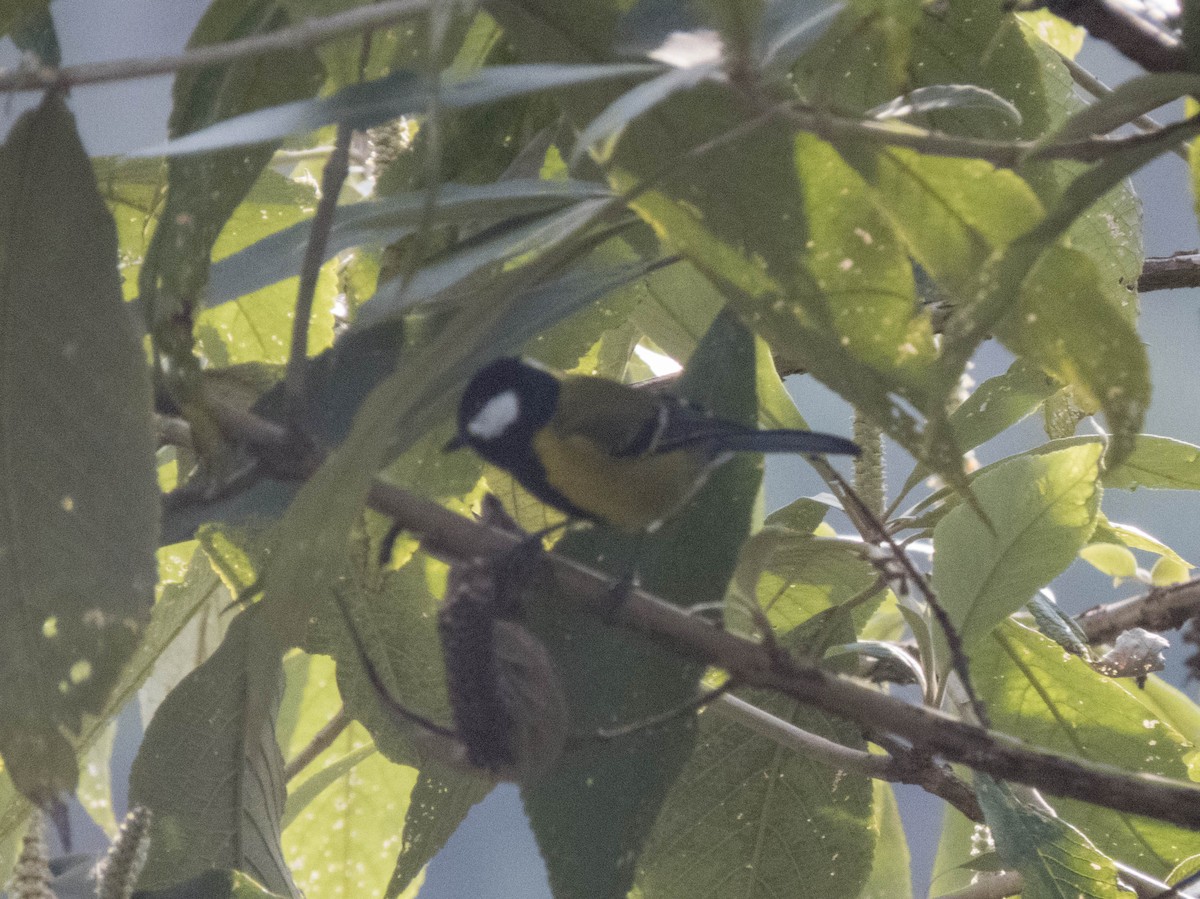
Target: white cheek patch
[{"x": 497, "y": 416}]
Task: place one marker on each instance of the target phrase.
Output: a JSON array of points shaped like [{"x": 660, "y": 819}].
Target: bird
[{"x": 605, "y": 452}]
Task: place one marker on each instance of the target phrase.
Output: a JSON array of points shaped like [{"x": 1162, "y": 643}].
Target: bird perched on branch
[{"x": 603, "y": 451}]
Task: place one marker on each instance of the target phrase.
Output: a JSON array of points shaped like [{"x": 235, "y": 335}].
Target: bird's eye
[{"x": 495, "y": 417}]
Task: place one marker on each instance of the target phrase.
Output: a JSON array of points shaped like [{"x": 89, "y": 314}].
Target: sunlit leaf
[
  {"x": 1042, "y": 509},
  {"x": 1057, "y": 701}
]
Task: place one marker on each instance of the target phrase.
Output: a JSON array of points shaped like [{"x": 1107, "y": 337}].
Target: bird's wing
[
  {"x": 685, "y": 427},
  {"x": 615, "y": 417}
]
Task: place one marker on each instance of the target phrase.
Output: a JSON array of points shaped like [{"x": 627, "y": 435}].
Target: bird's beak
[{"x": 454, "y": 443}]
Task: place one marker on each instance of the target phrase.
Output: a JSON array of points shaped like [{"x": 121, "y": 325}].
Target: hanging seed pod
[
  {"x": 31, "y": 877},
  {"x": 505, "y": 695},
  {"x": 118, "y": 872}
]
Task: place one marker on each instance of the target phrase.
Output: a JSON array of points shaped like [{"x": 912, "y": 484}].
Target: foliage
[{"x": 859, "y": 194}]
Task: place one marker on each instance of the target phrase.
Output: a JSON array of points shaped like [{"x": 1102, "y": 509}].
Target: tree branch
[
  {"x": 1162, "y": 609},
  {"x": 753, "y": 664},
  {"x": 305, "y": 34},
  {"x": 1170, "y": 272},
  {"x": 1135, "y": 38},
  {"x": 900, "y": 767},
  {"x": 332, "y": 178}
]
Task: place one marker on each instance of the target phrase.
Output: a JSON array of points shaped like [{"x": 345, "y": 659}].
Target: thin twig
[
  {"x": 332, "y": 179},
  {"x": 321, "y": 741},
  {"x": 900, "y": 767},
  {"x": 1006, "y": 154},
  {"x": 305, "y": 34},
  {"x": 1162, "y": 609},
  {"x": 1099, "y": 89},
  {"x": 876, "y": 532}
]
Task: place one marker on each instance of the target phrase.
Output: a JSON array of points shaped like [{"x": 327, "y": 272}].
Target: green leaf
[
  {"x": 439, "y": 802},
  {"x": 1054, "y": 858},
  {"x": 398, "y": 94},
  {"x": 592, "y": 812},
  {"x": 953, "y": 214},
  {"x": 994, "y": 406},
  {"x": 795, "y": 576},
  {"x": 78, "y": 474},
  {"x": 1057, "y": 702},
  {"x": 343, "y": 841},
  {"x": 476, "y": 261},
  {"x": 863, "y": 270},
  {"x": 890, "y": 872},
  {"x": 95, "y": 779},
  {"x": 248, "y": 330},
  {"x": 384, "y": 221},
  {"x": 1158, "y": 463},
  {"x": 946, "y": 96},
  {"x": 732, "y": 825},
  {"x": 999, "y": 403},
  {"x": 1126, "y": 102},
  {"x": 961, "y": 845},
  {"x": 210, "y": 768},
  {"x": 1105, "y": 362},
  {"x": 1107, "y": 558},
  {"x": 1042, "y": 509},
  {"x": 16, "y": 13},
  {"x": 213, "y": 884},
  {"x": 602, "y": 133},
  {"x": 787, "y": 30},
  {"x": 34, "y": 33},
  {"x": 1134, "y": 538},
  {"x": 186, "y": 627}
]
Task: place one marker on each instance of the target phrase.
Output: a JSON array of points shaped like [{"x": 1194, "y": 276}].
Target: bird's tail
[{"x": 786, "y": 441}]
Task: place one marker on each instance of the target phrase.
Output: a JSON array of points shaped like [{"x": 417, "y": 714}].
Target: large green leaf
[
  {"x": 398, "y": 94},
  {"x": 77, "y": 477},
  {"x": 1054, "y": 858},
  {"x": 1052, "y": 700},
  {"x": 1042, "y": 509},
  {"x": 730, "y": 827},
  {"x": 381, "y": 222},
  {"x": 890, "y": 872},
  {"x": 342, "y": 841},
  {"x": 247, "y": 330},
  {"x": 592, "y": 812},
  {"x": 211, "y": 770},
  {"x": 1158, "y": 463},
  {"x": 1060, "y": 324}
]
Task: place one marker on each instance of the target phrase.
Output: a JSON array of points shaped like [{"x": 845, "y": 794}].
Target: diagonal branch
[
  {"x": 306, "y": 34},
  {"x": 449, "y": 535}
]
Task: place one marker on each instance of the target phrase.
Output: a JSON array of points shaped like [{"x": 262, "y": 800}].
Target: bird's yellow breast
[{"x": 631, "y": 493}]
